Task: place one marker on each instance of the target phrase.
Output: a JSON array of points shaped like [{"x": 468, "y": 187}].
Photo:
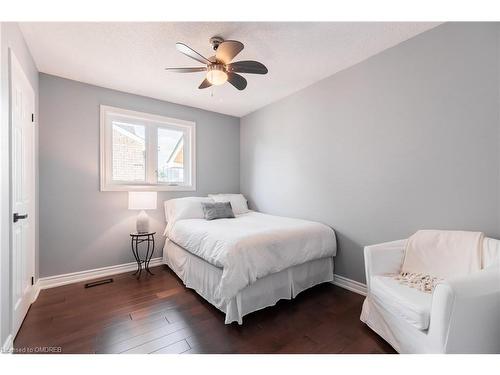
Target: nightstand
[{"x": 136, "y": 240}]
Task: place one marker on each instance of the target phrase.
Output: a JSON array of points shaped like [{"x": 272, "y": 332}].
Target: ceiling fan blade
[
  {"x": 186, "y": 70},
  {"x": 188, "y": 51},
  {"x": 227, "y": 50},
  {"x": 237, "y": 81},
  {"x": 253, "y": 67},
  {"x": 205, "y": 84}
]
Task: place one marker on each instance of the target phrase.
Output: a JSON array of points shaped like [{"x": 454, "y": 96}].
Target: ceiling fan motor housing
[{"x": 215, "y": 41}]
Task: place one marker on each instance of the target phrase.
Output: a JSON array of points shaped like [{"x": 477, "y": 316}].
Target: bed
[{"x": 244, "y": 264}]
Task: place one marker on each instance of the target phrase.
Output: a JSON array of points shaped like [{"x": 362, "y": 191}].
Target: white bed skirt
[{"x": 204, "y": 277}]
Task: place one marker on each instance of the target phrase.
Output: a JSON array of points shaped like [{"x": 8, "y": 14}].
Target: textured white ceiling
[{"x": 131, "y": 57}]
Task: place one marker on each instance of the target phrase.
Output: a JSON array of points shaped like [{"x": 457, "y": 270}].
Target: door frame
[{"x": 13, "y": 61}]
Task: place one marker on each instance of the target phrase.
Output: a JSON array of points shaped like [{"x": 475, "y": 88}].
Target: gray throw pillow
[{"x": 217, "y": 210}]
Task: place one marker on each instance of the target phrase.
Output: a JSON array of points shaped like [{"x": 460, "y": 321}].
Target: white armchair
[{"x": 462, "y": 315}]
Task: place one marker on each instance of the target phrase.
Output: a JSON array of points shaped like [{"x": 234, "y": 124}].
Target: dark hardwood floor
[{"x": 157, "y": 314}]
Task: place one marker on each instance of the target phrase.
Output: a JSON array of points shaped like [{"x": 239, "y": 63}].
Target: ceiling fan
[{"x": 219, "y": 68}]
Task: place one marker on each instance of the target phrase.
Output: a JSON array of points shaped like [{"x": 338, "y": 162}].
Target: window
[{"x": 140, "y": 151}]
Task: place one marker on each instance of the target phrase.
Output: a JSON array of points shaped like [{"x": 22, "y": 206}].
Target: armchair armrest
[
  {"x": 465, "y": 313},
  {"x": 384, "y": 258}
]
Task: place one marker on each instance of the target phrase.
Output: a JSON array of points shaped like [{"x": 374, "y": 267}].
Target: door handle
[{"x": 18, "y": 217}]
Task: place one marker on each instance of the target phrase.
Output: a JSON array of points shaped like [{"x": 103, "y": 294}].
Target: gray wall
[
  {"x": 11, "y": 40},
  {"x": 405, "y": 140},
  {"x": 83, "y": 228}
]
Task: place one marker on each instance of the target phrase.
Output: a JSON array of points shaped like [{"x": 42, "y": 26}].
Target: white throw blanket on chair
[{"x": 434, "y": 255}]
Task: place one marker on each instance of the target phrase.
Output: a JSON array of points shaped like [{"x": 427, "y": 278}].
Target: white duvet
[{"x": 253, "y": 245}]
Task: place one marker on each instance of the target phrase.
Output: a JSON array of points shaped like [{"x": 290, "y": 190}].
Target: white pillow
[
  {"x": 184, "y": 208},
  {"x": 238, "y": 202}
]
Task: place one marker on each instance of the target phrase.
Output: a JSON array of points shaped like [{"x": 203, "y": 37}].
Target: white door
[{"x": 23, "y": 192}]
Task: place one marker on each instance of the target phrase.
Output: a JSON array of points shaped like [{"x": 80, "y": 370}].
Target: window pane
[
  {"x": 129, "y": 146},
  {"x": 170, "y": 156}
]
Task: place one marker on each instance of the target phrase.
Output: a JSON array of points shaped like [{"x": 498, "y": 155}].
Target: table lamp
[{"x": 142, "y": 200}]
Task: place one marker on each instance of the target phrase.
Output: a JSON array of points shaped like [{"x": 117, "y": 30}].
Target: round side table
[{"x": 136, "y": 239}]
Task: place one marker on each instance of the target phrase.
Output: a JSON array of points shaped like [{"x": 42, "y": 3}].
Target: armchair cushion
[{"x": 409, "y": 304}]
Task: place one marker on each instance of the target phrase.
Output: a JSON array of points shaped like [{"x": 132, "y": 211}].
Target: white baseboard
[
  {"x": 36, "y": 291},
  {"x": 76, "y": 277},
  {"x": 352, "y": 285},
  {"x": 8, "y": 345}
]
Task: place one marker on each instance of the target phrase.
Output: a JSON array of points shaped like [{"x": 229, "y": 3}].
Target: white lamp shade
[{"x": 142, "y": 200}]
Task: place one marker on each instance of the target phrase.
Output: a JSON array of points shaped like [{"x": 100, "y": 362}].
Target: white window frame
[{"x": 152, "y": 123}]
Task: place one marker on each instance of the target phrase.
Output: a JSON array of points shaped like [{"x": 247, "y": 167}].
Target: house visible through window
[
  {"x": 129, "y": 152},
  {"x": 170, "y": 156},
  {"x": 141, "y": 151}
]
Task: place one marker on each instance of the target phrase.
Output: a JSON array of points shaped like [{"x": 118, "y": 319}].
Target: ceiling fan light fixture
[{"x": 216, "y": 75}]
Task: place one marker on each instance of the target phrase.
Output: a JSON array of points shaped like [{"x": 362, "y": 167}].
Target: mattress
[{"x": 205, "y": 278}]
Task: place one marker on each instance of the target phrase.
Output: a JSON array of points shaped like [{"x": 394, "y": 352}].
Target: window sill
[{"x": 147, "y": 188}]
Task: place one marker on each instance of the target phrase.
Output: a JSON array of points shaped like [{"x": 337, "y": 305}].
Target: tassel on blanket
[{"x": 422, "y": 282}]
